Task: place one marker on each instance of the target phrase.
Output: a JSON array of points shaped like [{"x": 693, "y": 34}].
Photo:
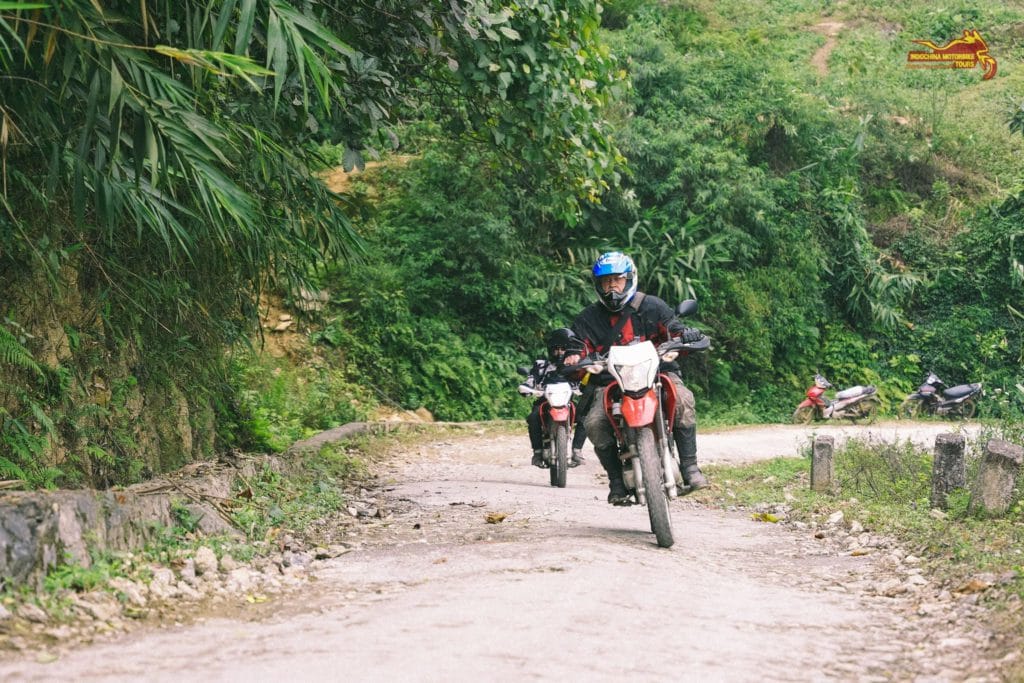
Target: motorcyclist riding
[
  {"x": 623, "y": 315},
  {"x": 558, "y": 342}
]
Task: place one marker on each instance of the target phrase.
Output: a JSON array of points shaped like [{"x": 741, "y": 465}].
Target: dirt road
[{"x": 566, "y": 587}]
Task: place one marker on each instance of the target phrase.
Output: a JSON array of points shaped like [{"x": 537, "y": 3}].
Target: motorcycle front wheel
[
  {"x": 910, "y": 409},
  {"x": 803, "y": 415},
  {"x": 654, "y": 487},
  {"x": 560, "y": 446}
]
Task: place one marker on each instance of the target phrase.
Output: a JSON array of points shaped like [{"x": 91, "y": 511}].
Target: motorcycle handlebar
[{"x": 668, "y": 351}]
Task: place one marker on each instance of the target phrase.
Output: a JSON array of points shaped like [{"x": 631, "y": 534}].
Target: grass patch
[{"x": 313, "y": 488}]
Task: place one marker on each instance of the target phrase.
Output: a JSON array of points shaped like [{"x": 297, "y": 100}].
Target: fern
[
  {"x": 12, "y": 353},
  {"x": 9, "y": 470}
]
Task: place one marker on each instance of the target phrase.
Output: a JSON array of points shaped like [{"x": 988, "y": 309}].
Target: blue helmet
[{"x": 615, "y": 263}]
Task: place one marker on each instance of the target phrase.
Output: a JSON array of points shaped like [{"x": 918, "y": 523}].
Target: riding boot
[
  {"x": 617, "y": 494},
  {"x": 686, "y": 445},
  {"x": 538, "y": 458},
  {"x": 579, "y": 435}
]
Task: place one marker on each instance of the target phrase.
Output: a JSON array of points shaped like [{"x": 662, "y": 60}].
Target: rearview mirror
[{"x": 687, "y": 308}]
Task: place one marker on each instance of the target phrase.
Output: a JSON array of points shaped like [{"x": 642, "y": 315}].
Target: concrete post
[
  {"x": 949, "y": 469},
  {"x": 1000, "y": 466},
  {"x": 822, "y": 468}
]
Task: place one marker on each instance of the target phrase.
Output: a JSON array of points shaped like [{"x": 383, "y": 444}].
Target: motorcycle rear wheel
[
  {"x": 910, "y": 409},
  {"x": 803, "y": 415},
  {"x": 654, "y": 487},
  {"x": 560, "y": 446},
  {"x": 968, "y": 408},
  {"x": 868, "y": 412}
]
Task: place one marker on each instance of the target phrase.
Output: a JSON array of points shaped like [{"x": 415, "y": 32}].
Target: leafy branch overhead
[{"x": 138, "y": 108}]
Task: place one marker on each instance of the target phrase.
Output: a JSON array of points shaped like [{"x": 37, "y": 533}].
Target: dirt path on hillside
[
  {"x": 566, "y": 587},
  {"x": 830, "y": 29}
]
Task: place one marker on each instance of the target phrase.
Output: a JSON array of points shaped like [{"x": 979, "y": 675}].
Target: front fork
[
  {"x": 666, "y": 446},
  {"x": 666, "y": 449}
]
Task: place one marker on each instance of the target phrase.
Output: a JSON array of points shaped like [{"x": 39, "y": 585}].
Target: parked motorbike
[
  {"x": 641, "y": 404},
  {"x": 855, "y": 403},
  {"x": 557, "y": 416},
  {"x": 932, "y": 398}
]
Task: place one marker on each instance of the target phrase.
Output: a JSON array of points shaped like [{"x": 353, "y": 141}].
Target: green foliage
[
  {"x": 186, "y": 521},
  {"x": 889, "y": 473},
  {"x": 157, "y": 163},
  {"x": 451, "y": 282},
  {"x": 542, "y": 75},
  {"x": 841, "y": 222},
  {"x": 12, "y": 351},
  {"x": 312, "y": 491},
  {"x": 68, "y": 576},
  {"x": 281, "y": 403}
]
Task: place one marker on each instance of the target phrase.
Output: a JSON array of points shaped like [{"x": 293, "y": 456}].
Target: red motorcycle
[
  {"x": 557, "y": 415},
  {"x": 855, "y": 403},
  {"x": 641, "y": 405}
]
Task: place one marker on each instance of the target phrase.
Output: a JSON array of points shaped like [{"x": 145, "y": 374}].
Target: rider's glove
[
  {"x": 525, "y": 390},
  {"x": 691, "y": 334}
]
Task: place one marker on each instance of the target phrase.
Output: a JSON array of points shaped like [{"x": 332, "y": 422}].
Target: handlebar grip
[{"x": 699, "y": 345}]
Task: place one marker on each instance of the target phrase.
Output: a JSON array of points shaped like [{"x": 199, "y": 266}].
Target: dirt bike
[
  {"x": 557, "y": 415},
  {"x": 641, "y": 404},
  {"x": 932, "y": 398},
  {"x": 856, "y": 403}
]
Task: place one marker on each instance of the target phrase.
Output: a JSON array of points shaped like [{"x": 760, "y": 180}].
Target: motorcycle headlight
[
  {"x": 634, "y": 377},
  {"x": 558, "y": 395}
]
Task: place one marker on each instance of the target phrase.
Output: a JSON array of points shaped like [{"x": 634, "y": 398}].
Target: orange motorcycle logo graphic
[{"x": 965, "y": 52}]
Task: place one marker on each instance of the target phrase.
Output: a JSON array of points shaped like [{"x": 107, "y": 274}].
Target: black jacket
[
  {"x": 540, "y": 374},
  {"x": 650, "y": 318}
]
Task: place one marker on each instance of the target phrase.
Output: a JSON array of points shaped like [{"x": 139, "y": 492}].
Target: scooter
[
  {"x": 932, "y": 398},
  {"x": 855, "y": 403}
]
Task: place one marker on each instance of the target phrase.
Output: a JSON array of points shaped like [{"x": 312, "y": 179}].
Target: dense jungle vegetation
[{"x": 832, "y": 209}]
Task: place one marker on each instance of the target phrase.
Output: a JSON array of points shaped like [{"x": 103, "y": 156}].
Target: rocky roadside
[
  {"x": 191, "y": 584},
  {"x": 950, "y": 623}
]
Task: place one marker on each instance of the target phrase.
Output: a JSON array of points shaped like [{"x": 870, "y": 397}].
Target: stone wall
[{"x": 40, "y": 529}]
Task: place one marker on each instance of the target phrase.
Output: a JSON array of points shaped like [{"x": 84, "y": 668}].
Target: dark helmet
[
  {"x": 564, "y": 339},
  {"x": 615, "y": 263}
]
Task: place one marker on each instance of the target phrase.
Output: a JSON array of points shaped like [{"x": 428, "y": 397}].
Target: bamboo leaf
[
  {"x": 51, "y": 46},
  {"x": 116, "y": 86},
  {"x": 277, "y": 54},
  {"x": 139, "y": 145},
  {"x": 152, "y": 151},
  {"x": 225, "y": 15},
  {"x": 246, "y": 19}
]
